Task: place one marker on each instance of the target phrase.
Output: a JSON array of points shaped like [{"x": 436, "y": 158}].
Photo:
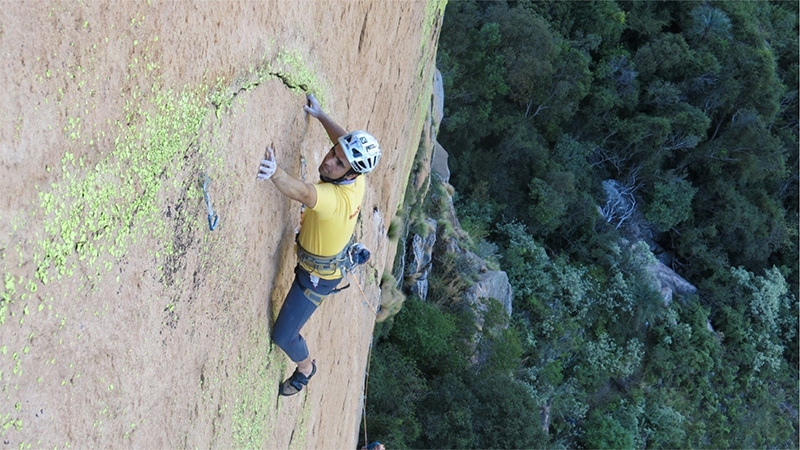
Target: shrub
[
  {"x": 428, "y": 336},
  {"x": 394, "y": 388}
]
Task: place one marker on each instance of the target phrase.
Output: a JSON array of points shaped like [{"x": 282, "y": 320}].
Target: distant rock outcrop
[
  {"x": 419, "y": 258},
  {"x": 623, "y": 212},
  {"x": 439, "y": 162},
  {"x": 492, "y": 284},
  {"x": 488, "y": 284}
]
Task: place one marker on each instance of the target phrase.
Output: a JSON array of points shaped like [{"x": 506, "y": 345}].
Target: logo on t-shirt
[{"x": 355, "y": 213}]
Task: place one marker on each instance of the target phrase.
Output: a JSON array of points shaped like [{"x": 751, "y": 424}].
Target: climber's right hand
[
  {"x": 312, "y": 108},
  {"x": 268, "y": 165}
]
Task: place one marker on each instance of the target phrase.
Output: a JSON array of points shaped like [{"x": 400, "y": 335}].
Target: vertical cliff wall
[{"x": 126, "y": 321}]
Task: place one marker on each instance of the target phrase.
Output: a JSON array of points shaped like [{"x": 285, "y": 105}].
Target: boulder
[
  {"x": 493, "y": 284},
  {"x": 439, "y": 162},
  {"x": 437, "y": 105},
  {"x": 439, "y": 158},
  {"x": 669, "y": 282}
]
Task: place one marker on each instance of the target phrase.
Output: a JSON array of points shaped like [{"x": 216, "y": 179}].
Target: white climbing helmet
[{"x": 362, "y": 150}]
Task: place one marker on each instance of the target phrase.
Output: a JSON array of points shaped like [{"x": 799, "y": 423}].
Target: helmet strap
[{"x": 344, "y": 179}]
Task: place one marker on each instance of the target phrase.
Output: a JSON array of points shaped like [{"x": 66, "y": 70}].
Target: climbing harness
[
  {"x": 316, "y": 298},
  {"x": 213, "y": 218},
  {"x": 351, "y": 256},
  {"x": 322, "y": 265}
]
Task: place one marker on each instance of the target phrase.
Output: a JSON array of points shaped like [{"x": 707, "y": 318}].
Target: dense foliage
[{"x": 585, "y": 137}]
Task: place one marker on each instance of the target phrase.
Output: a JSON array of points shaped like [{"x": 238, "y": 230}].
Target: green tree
[
  {"x": 504, "y": 414},
  {"x": 667, "y": 57},
  {"x": 769, "y": 311},
  {"x": 662, "y": 426},
  {"x": 395, "y": 386},
  {"x": 429, "y": 337},
  {"x": 546, "y": 77},
  {"x": 473, "y": 72},
  {"x": 613, "y": 427},
  {"x": 708, "y": 22},
  {"x": 592, "y": 27},
  {"x": 446, "y": 415},
  {"x": 671, "y": 203}
]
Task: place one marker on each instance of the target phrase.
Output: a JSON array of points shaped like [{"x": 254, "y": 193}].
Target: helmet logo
[{"x": 362, "y": 150}]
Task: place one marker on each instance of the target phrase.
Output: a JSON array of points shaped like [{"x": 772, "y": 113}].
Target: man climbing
[{"x": 326, "y": 232}]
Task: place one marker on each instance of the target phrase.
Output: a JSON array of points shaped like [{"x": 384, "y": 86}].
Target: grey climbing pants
[{"x": 301, "y": 301}]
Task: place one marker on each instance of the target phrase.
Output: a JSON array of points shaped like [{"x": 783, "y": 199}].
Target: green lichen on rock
[
  {"x": 94, "y": 214},
  {"x": 288, "y": 66},
  {"x": 96, "y": 210},
  {"x": 434, "y": 11},
  {"x": 295, "y": 73},
  {"x": 254, "y": 414}
]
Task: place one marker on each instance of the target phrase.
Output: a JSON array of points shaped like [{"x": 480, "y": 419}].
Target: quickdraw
[
  {"x": 213, "y": 218},
  {"x": 303, "y": 178}
]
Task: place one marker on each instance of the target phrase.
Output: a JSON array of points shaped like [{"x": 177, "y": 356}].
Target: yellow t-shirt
[{"x": 328, "y": 226}]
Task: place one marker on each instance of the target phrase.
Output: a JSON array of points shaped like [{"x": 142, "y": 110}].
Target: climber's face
[{"x": 335, "y": 164}]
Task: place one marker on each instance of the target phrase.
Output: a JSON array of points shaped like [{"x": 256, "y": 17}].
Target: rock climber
[{"x": 331, "y": 210}]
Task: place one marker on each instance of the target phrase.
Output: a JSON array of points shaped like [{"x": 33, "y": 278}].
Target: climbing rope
[
  {"x": 366, "y": 301},
  {"x": 364, "y": 400},
  {"x": 213, "y": 218},
  {"x": 369, "y": 360}
]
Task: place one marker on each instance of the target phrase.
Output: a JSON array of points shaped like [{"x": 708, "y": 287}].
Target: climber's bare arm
[
  {"x": 295, "y": 188},
  {"x": 290, "y": 186},
  {"x": 314, "y": 110}
]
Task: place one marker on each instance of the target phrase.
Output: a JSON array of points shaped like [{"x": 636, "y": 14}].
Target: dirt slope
[{"x": 125, "y": 321}]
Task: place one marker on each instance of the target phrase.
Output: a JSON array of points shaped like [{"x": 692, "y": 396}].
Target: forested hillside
[{"x": 588, "y": 140}]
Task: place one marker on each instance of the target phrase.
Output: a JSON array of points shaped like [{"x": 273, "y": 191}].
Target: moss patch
[
  {"x": 255, "y": 411},
  {"x": 288, "y": 66}
]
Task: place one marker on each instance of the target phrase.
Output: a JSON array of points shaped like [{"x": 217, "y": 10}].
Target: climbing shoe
[{"x": 295, "y": 383}]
